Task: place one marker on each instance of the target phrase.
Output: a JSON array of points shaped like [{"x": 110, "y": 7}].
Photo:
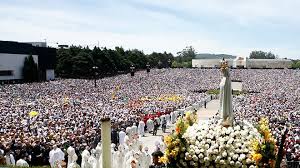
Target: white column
[{"x": 106, "y": 142}]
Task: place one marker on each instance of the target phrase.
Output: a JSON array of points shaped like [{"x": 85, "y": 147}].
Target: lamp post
[
  {"x": 148, "y": 67},
  {"x": 169, "y": 63},
  {"x": 132, "y": 68},
  {"x": 95, "y": 68}
]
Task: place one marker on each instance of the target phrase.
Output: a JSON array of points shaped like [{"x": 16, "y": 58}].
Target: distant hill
[{"x": 214, "y": 56}]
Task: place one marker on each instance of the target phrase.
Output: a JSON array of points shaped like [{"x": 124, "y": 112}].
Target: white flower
[
  {"x": 248, "y": 161},
  {"x": 222, "y": 161},
  {"x": 235, "y": 157},
  {"x": 195, "y": 158},
  {"x": 237, "y": 163},
  {"x": 224, "y": 154}
]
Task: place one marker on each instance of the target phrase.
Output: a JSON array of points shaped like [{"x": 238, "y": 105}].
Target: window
[{"x": 6, "y": 73}]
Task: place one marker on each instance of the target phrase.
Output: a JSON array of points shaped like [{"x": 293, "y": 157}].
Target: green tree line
[{"x": 78, "y": 62}]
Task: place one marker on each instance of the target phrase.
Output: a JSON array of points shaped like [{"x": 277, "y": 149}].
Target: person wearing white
[
  {"x": 120, "y": 156},
  {"x": 128, "y": 131},
  {"x": 134, "y": 129},
  {"x": 85, "y": 157},
  {"x": 98, "y": 155},
  {"x": 70, "y": 152},
  {"x": 56, "y": 156},
  {"x": 74, "y": 164},
  {"x": 92, "y": 159},
  {"x": 150, "y": 125},
  {"x": 142, "y": 157},
  {"x": 172, "y": 114},
  {"x": 22, "y": 163},
  {"x": 161, "y": 118},
  {"x": 122, "y": 135},
  {"x": 129, "y": 155},
  {"x": 162, "y": 145},
  {"x": 10, "y": 160},
  {"x": 113, "y": 155},
  {"x": 167, "y": 118},
  {"x": 141, "y": 128},
  {"x": 148, "y": 157}
]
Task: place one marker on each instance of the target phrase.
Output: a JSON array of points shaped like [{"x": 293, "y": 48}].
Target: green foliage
[
  {"x": 296, "y": 64},
  {"x": 262, "y": 55},
  {"x": 77, "y": 62},
  {"x": 184, "y": 58},
  {"x": 30, "y": 70}
]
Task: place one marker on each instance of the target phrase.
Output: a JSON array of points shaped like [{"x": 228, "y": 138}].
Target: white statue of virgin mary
[{"x": 226, "y": 95}]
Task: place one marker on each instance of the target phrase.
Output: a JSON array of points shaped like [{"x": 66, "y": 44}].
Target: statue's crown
[{"x": 224, "y": 65}]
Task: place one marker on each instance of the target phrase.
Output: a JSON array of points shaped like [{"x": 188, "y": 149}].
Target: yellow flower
[
  {"x": 256, "y": 157},
  {"x": 255, "y": 145},
  {"x": 163, "y": 159},
  {"x": 168, "y": 140}
]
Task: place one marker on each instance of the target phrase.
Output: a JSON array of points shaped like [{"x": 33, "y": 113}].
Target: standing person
[
  {"x": 141, "y": 128},
  {"x": 134, "y": 129},
  {"x": 114, "y": 136},
  {"x": 164, "y": 125},
  {"x": 150, "y": 125},
  {"x": 122, "y": 136},
  {"x": 204, "y": 103},
  {"x": 156, "y": 125}
]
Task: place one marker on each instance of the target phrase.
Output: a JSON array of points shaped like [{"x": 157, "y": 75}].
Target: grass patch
[{"x": 217, "y": 91}]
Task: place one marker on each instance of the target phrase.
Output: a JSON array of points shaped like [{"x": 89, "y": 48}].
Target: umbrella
[{"x": 33, "y": 113}]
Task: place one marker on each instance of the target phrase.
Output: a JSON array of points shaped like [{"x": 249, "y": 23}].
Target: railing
[{"x": 293, "y": 164}]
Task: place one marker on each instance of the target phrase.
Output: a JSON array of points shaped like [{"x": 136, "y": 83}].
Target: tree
[
  {"x": 30, "y": 70},
  {"x": 187, "y": 54},
  {"x": 296, "y": 64},
  {"x": 261, "y": 55}
]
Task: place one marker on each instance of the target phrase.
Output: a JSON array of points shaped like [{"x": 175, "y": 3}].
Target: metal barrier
[{"x": 293, "y": 164}]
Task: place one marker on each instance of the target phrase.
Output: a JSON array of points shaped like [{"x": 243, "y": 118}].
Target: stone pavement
[{"x": 203, "y": 115}]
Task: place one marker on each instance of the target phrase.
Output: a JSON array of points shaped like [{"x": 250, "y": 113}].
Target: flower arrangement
[
  {"x": 176, "y": 144},
  {"x": 209, "y": 144},
  {"x": 265, "y": 150}
]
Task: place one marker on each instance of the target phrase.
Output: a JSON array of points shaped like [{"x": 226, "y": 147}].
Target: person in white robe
[
  {"x": 10, "y": 160},
  {"x": 129, "y": 153},
  {"x": 85, "y": 157},
  {"x": 74, "y": 164},
  {"x": 56, "y": 156},
  {"x": 161, "y": 118},
  {"x": 134, "y": 130},
  {"x": 120, "y": 156},
  {"x": 167, "y": 118},
  {"x": 142, "y": 157},
  {"x": 122, "y": 136},
  {"x": 70, "y": 152},
  {"x": 98, "y": 155},
  {"x": 92, "y": 159},
  {"x": 148, "y": 157},
  {"x": 128, "y": 132},
  {"x": 150, "y": 125},
  {"x": 172, "y": 114},
  {"x": 22, "y": 163},
  {"x": 113, "y": 155},
  {"x": 141, "y": 128}
]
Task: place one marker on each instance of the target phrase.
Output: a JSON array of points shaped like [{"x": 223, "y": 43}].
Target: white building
[
  {"x": 12, "y": 57},
  {"x": 242, "y": 62}
]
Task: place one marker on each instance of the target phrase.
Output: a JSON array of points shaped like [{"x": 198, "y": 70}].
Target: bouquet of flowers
[
  {"x": 264, "y": 150},
  {"x": 176, "y": 144}
]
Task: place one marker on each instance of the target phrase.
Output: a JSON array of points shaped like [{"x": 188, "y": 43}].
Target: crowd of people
[
  {"x": 274, "y": 94},
  {"x": 69, "y": 110}
]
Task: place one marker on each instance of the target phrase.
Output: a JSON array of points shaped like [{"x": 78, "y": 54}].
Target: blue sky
[{"x": 213, "y": 26}]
